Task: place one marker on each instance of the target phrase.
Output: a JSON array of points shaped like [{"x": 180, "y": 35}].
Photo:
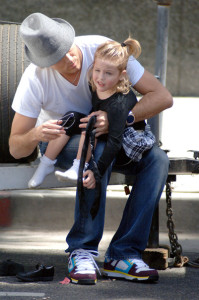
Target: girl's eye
[{"x": 108, "y": 73}]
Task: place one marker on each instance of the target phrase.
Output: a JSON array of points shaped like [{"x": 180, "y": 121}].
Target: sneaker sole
[
  {"x": 117, "y": 274},
  {"x": 84, "y": 281}
]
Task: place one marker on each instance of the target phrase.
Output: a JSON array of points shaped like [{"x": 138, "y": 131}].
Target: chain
[{"x": 176, "y": 248}]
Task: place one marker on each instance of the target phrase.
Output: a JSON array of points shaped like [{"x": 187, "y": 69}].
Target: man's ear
[{"x": 123, "y": 74}]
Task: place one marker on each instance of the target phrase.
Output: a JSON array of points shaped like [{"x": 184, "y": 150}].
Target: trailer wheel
[{"x": 12, "y": 65}]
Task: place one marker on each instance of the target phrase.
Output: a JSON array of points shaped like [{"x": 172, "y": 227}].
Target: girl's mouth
[{"x": 100, "y": 84}]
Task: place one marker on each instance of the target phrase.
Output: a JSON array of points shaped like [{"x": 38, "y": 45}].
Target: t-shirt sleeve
[
  {"x": 28, "y": 97},
  {"x": 135, "y": 70}
]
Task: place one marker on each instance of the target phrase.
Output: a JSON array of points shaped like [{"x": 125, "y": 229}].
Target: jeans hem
[{"x": 69, "y": 251}]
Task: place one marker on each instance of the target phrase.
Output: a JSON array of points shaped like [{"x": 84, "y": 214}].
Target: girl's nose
[{"x": 101, "y": 76}]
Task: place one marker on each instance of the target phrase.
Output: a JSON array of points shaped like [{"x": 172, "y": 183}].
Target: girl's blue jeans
[{"x": 131, "y": 237}]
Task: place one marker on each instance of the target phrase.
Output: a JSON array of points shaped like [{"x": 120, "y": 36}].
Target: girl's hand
[{"x": 89, "y": 181}]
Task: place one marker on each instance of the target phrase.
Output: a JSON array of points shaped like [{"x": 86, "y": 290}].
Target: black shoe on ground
[{"x": 41, "y": 273}]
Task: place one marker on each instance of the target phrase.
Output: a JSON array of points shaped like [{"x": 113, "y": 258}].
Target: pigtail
[{"x": 133, "y": 47}]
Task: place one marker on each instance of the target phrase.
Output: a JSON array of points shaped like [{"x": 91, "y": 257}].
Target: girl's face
[{"x": 105, "y": 76}]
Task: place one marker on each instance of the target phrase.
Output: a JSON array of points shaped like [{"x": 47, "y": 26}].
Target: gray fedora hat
[{"x": 46, "y": 40}]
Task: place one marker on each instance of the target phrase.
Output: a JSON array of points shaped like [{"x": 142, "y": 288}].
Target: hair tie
[{"x": 123, "y": 44}]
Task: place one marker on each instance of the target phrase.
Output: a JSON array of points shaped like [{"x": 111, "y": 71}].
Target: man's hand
[
  {"x": 89, "y": 181},
  {"x": 101, "y": 124},
  {"x": 49, "y": 131},
  {"x": 24, "y": 136}
]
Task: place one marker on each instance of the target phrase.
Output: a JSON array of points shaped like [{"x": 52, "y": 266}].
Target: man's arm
[
  {"x": 24, "y": 136},
  {"x": 156, "y": 97}
]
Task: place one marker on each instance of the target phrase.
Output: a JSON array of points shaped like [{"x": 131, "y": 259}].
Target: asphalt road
[{"x": 30, "y": 248}]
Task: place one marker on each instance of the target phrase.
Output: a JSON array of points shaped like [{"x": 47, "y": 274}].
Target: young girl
[{"x": 111, "y": 92}]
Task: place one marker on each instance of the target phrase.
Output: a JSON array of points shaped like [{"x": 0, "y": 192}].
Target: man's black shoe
[
  {"x": 41, "y": 273},
  {"x": 10, "y": 268}
]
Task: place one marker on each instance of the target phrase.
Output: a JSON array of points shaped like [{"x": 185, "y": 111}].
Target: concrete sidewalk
[
  {"x": 39, "y": 228},
  {"x": 30, "y": 247},
  {"x": 28, "y": 240}
]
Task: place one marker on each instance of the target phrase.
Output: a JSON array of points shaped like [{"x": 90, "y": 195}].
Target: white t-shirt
[{"x": 44, "y": 93}]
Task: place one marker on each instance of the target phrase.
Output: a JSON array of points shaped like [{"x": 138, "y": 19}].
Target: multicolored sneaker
[
  {"x": 130, "y": 269},
  {"x": 82, "y": 266}
]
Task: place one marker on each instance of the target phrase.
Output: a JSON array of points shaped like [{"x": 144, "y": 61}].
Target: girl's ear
[{"x": 122, "y": 75}]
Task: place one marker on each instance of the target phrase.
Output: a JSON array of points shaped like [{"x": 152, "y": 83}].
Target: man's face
[{"x": 70, "y": 63}]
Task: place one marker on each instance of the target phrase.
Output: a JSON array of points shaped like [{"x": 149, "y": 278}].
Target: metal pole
[
  {"x": 160, "y": 73},
  {"x": 162, "y": 40},
  {"x": 161, "y": 57}
]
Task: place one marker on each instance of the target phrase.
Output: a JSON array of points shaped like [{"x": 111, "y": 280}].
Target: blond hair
[{"x": 118, "y": 54}]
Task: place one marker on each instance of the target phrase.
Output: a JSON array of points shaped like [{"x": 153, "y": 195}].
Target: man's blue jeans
[{"x": 132, "y": 235}]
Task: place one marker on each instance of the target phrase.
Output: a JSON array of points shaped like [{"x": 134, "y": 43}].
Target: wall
[{"x": 118, "y": 18}]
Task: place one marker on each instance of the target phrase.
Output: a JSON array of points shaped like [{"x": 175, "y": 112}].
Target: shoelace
[
  {"x": 84, "y": 260},
  {"x": 139, "y": 263}
]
